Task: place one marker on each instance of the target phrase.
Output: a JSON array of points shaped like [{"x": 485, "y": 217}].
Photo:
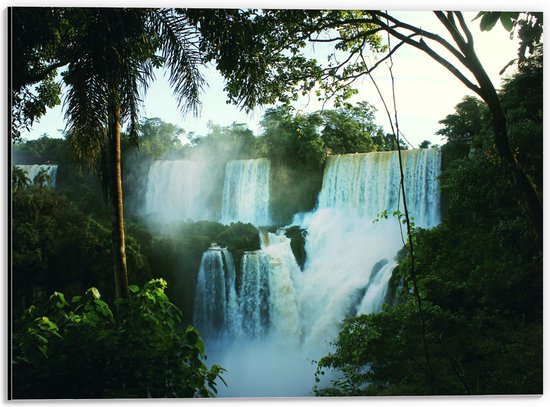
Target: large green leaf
[{"x": 489, "y": 20}]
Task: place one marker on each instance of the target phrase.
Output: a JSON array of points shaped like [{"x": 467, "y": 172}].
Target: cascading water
[
  {"x": 254, "y": 294},
  {"x": 246, "y": 192},
  {"x": 31, "y": 171},
  {"x": 349, "y": 263},
  {"x": 367, "y": 184},
  {"x": 216, "y": 309},
  {"x": 175, "y": 191}
]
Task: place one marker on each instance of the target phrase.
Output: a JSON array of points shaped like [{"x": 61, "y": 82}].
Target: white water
[
  {"x": 350, "y": 260},
  {"x": 216, "y": 309},
  {"x": 175, "y": 191},
  {"x": 31, "y": 171},
  {"x": 366, "y": 184},
  {"x": 253, "y": 294},
  {"x": 246, "y": 192}
]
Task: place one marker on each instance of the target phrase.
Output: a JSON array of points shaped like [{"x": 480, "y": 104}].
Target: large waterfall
[
  {"x": 288, "y": 317},
  {"x": 175, "y": 191},
  {"x": 31, "y": 171},
  {"x": 246, "y": 192}
]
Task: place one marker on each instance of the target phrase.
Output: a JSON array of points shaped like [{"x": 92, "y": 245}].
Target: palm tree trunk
[{"x": 119, "y": 248}]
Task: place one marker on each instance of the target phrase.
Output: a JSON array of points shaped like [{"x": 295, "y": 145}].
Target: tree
[
  {"x": 273, "y": 65},
  {"x": 350, "y": 129},
  {"x": 115, "y": 53},
  {"x": 157, "y": 138},
  {"x": 80, "y": 349},
  {"x": 40, "y": 38},
  {"x": 425, "y": 144},
  {"x": 465, "y": 123}
]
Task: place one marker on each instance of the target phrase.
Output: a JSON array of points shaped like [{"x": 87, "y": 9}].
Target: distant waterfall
[
  {"x": 31, "y": 171},
  {"x": 175, "y": 191},
  {"x": 216, "y": 309},
  {"x": 246, "y": 192}
]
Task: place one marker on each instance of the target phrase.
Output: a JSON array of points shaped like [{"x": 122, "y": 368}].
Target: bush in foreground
[{"x": 82, "y": 349}]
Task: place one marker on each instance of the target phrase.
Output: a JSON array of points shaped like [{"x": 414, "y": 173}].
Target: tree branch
[
  {"x": 421, "y": 45},
  {"x": 19, "y": 82}
]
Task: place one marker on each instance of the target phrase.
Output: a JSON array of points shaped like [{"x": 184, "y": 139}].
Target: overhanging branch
[{"x": 423, "y": 46}]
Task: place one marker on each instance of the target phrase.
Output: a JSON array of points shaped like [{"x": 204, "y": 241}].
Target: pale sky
[{"x": 426, "y": 92}]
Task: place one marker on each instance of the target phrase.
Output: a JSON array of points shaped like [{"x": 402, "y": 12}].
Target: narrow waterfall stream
[{"x": 288, "y": 317}]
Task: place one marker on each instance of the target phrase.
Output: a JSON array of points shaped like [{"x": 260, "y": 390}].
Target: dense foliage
[
  {"x": 82, "y": 349},
  {"x": 58, "y": 247},
  {"x": 479, "y": 275}
]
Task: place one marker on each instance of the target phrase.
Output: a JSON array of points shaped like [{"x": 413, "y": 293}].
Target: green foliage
[
  {"x": 527, "y": 26},
  {"x": 158, "y": 139},
  {"x": 271, "y": 65},
  {"x": 233, "y": 142},
  {"x": 522, "y": 101},
  {"x": 466, "y": 122},
  {"x": 19, "y": 178},
  {"x": 80, "y": 186},
  {"x": 57, "y": 247},
  {"x": 351, "y": 129},
  {"x": 425, "y": 144},
  {"x": 40, "y": 151},
  {"x": 297, "y": 155},
  {"x": 40, "y": 39},
  {"x": 82, "y": 349}
]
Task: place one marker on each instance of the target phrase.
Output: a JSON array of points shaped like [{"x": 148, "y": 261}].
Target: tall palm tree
[{"x": 115, "y": 53}]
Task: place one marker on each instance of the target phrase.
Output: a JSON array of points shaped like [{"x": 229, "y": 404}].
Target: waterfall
[
  {"x": 254, "y": 294},
  {"x": 284, "y": 272},
  {"x": 246, "y": 192},
  {"x": 289, "y": 317},
  {"x": 216, "y": 312},
  {"x": 367, "y": 184},
  {"x": 350, "y": 257},
  {"x": 175, "y": 191},
  {"x": 31, "y": 171}
]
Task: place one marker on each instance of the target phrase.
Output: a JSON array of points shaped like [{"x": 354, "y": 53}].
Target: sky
[{"x": 425, "y": 91}]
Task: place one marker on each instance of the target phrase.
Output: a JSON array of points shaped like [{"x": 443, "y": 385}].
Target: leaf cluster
[
  {"x": 274, "y": 64},
  {"x": 81, "y": 349},
  {"x": 58, "y": 247}
]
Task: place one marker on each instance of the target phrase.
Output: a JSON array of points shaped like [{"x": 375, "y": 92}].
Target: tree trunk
[
  {"x": 530, "y": 200},
  {"x": 119, "y": 248},
  {"x": 529, "y": 197}
]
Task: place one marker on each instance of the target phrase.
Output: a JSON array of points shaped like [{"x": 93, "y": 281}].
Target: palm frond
[
  {"x": 85, "y": 110},
  {"x": 179, "y": 44}
]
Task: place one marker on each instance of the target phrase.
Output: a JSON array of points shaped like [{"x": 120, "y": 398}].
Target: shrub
[{"x": 82, "y": 349}]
